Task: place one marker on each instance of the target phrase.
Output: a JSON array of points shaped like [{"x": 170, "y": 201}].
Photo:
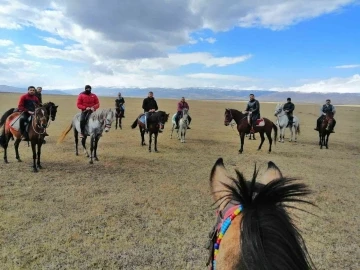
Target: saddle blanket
[
  {"x": 15, "y": 123},
  {"x": 260, "y": 122},
  {"x": 142, "y": 118}
]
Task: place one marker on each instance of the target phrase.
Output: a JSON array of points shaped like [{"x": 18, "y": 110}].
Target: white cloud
[
  {"x": 332, "y": 85},
  {"x": 53, "y": 40},
  {"x": 214, "y": 76},
  {"x": 211, "y": 40},
  {"x": 348, "y": 66},
  {"x": 5, "y": 42}
]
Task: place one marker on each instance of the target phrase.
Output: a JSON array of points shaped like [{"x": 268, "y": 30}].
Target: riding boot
[
  {"x": 82, "y": 128},
  {"x": 23, "y": 131},
  {"x": 123, "y": 116},
  {"x": 177, "y": 123}
]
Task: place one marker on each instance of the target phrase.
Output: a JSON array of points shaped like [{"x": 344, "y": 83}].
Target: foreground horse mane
[
  {"x": 101, "y": 114},
  {"x": 269, "y": 238}
]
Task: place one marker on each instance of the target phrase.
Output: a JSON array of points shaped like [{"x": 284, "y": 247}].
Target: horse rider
[
  {"x": 326, "y": 108},
  {"x": 288, "y": 108},
  {"x": 119, "y": 103},
  {"x": 182, "y": 104},
  {"x": 26, "y": 106},
  {"x": 253, "y": 111},
  {"x": 38, "y": 94},
  {"x": 150, "y": 106},
  {"x": 87, "y": 102}
]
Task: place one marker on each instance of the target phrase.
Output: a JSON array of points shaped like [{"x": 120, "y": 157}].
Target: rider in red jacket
[{"x": 87, "y": 102}]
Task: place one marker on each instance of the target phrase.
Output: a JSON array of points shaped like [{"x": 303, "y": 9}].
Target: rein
[{"x": 37, "y": 125}]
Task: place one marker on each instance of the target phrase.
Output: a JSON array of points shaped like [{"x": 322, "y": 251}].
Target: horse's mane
[
  {"x": 5, "y": 116},
  {"x": 101, "y": 114},
  {"x": 269, "y": 239}
]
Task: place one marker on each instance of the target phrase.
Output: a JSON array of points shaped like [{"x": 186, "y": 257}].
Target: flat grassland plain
[{"x": 139, "y": 210}]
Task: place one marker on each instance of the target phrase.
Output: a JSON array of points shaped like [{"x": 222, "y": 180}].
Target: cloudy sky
[{"x": 239, "y": 44}]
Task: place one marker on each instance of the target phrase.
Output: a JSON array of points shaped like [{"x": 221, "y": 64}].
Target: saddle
[{"x": 260, "y": 122}]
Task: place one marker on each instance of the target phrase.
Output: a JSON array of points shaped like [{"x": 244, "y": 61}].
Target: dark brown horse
[
  {"x": 119, "y": 114},
  {"x": 326, "y": 127},
  {"x": 156, "y": 121},
  {"x": 36, "y": 129},
  {"x": 265, "y": 126}
]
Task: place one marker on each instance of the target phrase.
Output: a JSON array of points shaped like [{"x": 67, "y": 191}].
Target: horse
[
  {"x": 325, "y": 129},
  {"x": 156, "y": 121},
  {"x": 283, "y": 123},
  {"x": 264, "y": 125},
  {"x": 36, "y": 130},
  {"x": 119, "y": 114},
  {"x": 98, "y": 122},
  {"x": 183, "y": 125},
  {"x": 50, "y": 107},
  {"x": 253, "y": 228}
]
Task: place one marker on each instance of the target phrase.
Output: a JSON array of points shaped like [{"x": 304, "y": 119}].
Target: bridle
[
  {"x": 223, "y": 222},
  {"x": 38, "y": 119}
]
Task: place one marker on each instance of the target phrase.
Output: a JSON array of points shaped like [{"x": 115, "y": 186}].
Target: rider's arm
[
  {"x": 156, "y": 106},
  {"x": 80, "y": 103},
  {"x": 21, "y": 105},
  {"x": 256, "y": 109},
  {"x": 97, "y": 103},
  {"x": 144, "y": 105}
]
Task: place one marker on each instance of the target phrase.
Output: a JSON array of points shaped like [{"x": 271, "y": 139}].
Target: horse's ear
[
  {"x": 37, "y": 105},
  {"x": 272, "y": 173},
  {"x": 219, "y": 177}
]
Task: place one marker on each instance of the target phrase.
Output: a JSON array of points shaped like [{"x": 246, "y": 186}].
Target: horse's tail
[
  {"x": 275, "y": 128},
  {"x": 5, "y": 116},
  {"x": 65, "y": 132},
  {"x": 266, "y": 223},
  {"x": 134, "y": 124},
  {"x": 298, "y": 129},
  {"x": 2, "y": 137}
]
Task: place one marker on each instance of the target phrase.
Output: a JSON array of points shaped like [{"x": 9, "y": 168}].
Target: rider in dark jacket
[
  {"x": 289, "y": 107},
  {"x": 326, "y": 108},
  {"x": 253, "y": 108},
  {"x": 119, "y": 103},
  {"x": 149, "y": 106}
]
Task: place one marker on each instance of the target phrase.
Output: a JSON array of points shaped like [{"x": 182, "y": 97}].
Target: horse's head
[
  {"x": 51, "y": 109},
  {"x": 228, "y": 117},
  {"x": 278, "y": 109},
  {"x": 41, "y": 117},
  {"x": 108, "y": 119},
  {"x": 162, "y": 117},
  {"x": 244, "y": 205},
  {"x": 185, "y": 113}
]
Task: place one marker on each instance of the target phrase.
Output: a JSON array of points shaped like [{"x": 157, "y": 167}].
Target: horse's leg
[
  {"x": 150, "y": 140},
  {"x": 76, "y": 134},
  {"x": 155, "y": 142},
  {"x": 268, "y": 135},
  {"x": 92, "y": 142},
  {"x": 95, "y": 148},
  {"x": 172, "y": 130},
  {"x": 262, "y": 139},
  {"x": 242, "y": 137},
  {"x": 142, "y": 134},
  {"x": 253, "y": 135},
  {"x": 183, "y": 133},
  {"x": 327, "y": 140},
  {"x": 120, "y": 125},
  {"x": 16, "y": 145},
  {"x": 282, "y": 132},
  {"x": 6, "y": 144},
  {"x": 83, "y": 142},
  {"x": 33, "y": 148},
  {"x": 39, "y": 154}
]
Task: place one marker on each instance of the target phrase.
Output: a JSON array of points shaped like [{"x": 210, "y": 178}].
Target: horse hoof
[
  {"x": 96, "y": 159},
  {"x": 39, "y": 167},
  {"x": 156, "y": 151},
  {"x": 91, "y": 162},
  {"x": 19, "y": 160},
  {"x": 6, "y": 162},
  {"x": 35, "y": 170}
]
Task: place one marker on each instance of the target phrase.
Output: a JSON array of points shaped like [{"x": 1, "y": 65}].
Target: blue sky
[{"x": 274, "y": 44}]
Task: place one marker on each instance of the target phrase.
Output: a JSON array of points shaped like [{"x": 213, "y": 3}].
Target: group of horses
[
  {"x": 101, "y": 120},
  {"x": 253, "y": 229}
]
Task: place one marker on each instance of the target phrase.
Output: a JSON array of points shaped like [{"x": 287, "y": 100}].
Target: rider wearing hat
[{"x": 288, "y": 108}]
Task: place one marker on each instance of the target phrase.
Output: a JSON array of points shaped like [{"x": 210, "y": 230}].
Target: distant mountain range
[{"x": 208, "y": 94}]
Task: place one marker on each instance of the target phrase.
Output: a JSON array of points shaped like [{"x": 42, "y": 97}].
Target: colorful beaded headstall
[{"x": 224, "y": 227}]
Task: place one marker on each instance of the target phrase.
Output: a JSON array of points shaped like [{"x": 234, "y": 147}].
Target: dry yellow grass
[{"x": 139, "y": 210}]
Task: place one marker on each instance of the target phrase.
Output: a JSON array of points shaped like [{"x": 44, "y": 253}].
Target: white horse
[
  {"x": 98, "y": 122},
  {"x": 183, "y": 125},
  {"x": 283, "y": 121}
]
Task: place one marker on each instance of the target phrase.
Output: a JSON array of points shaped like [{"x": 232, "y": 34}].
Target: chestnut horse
[
  {"x": 156, "y": 121},
  {"x": 243, "y": 127},
  {"x": 253, "y": 229},
  {"x": 36, "y": 129},
  {"x": 326, "y": 127}
]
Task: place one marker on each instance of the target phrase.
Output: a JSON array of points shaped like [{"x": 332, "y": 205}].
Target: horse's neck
[{"x": 237, "y": 116}]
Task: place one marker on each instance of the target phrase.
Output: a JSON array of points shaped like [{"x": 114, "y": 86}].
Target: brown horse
[
  {"x": 36, "y": 129},
  {"x": 119, "y": 114},
  {"x": 326, "y": 127},
  {"x": 265, "y": 126},
  {"x": 156, "y": 121},
  {"x": 253, "y": 229}
]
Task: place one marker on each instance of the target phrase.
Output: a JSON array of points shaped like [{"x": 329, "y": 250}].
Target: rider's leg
[
  {"x": 146, "y": 120},
  {"x": 189, "y": 121},
  {"x": 318, "y": 123},
  {"x": 82, "y": 123},
  {"x": 177, "y": 119},
  {"x": 23, "y": 120}
]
